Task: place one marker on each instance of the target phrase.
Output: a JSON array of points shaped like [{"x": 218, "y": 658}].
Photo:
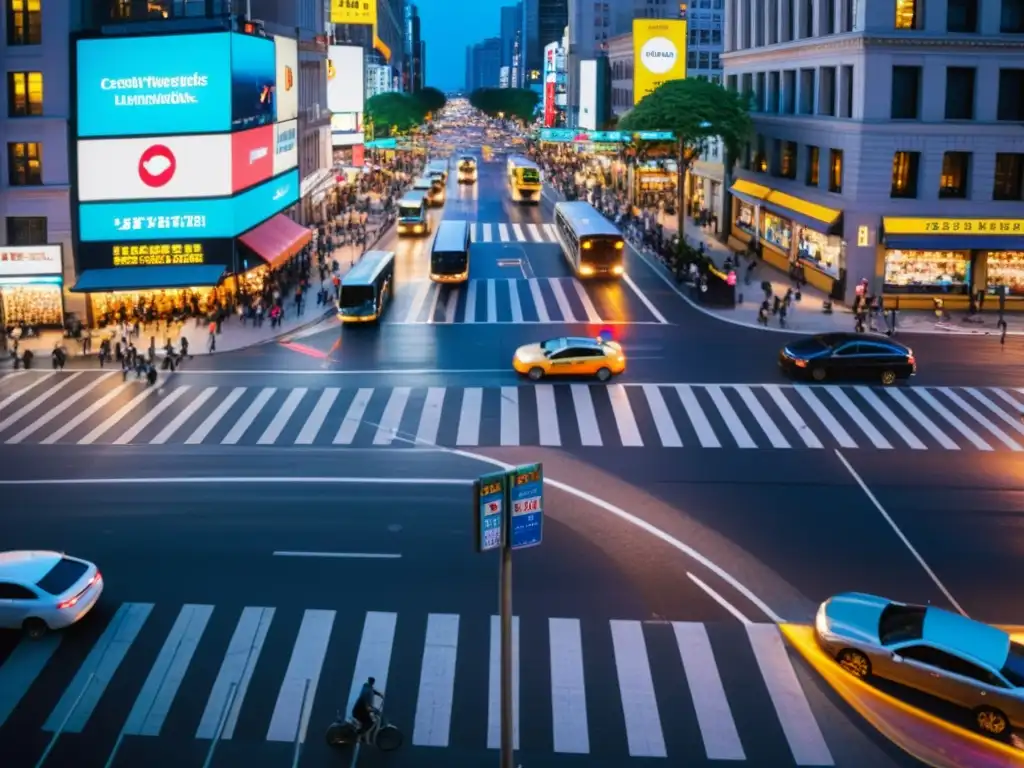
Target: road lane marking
[
  {"x": 469, "y": 417},
  {"x": 487, "y": 233},
  {"x": 56, "y": 410},
  {"x": 433, "y": 721},
  {"x": 353, "y": 417},
  {"x": 211, "y": 421},
  {"x": 705, "y": 434},
  {"x": 248, "y": 416},
  {"x": 586, "y": 418},
  {"x": 418, "y": 301},
  {"x": 341, "y": 555},
  {"x": 492, "y": 301},
  {"x": 154, "y": 701},
  {"x": 714, "y": 716},
  {"x": 728, "y": 414},
  {"x": 636, "y": 689},
  {"x": 391, "y": 420},
  {"x": 795, "y": 419},
  {"x": 625, "y": 420},
  {"x": 513, "y": 296},
  {"x": 184, "y": 415},
  {"x": 503, "y": 233},
  {"x": 470, "y": 303},
  {"x": 538, "y": 300},
  {"x": 435, "y": 295},
  {"x": 952, "y": 420},
  {"x": 825, "y": 417},
  {"x": 298, "y": 690},
  {"x": 15, "y": 395},
  {"x": 451, "y": 305},
  {"x": 373, "y": 659},
  {"x": 646, "y": 302},
  {"x": 118, "y": 417},
  {"x": 858, "y": 417},
  {"x": 494, "y": 685},
  {"x": 430, "y": 416},
  {"x": 510, "y": 415},
  {"x": 917, "y": 415},
  {"x": 588, "y": 306},
  {"x": 568, "y": 691},
  {"x": 534, "y": 231},
  {"x": 562, "y": 301},
  {"x": 282, "y": 417},
  {"x": 235, "y": 672},
  {"x": 736, "y": 612},
  {"x": 32, "y": 404},
  {"x": 806, "y": 741},
  {"x": 764, "y": 421},
  {"x": 518, "y": 232},
  {"x": 995, "y": 409},
  {"x": 667, "y": 431},
  {"x": 901, "y": 429},
  {"x": 150, "y": 416},
  {"x": 975, "y": 414},
  {"x": 19, "y": 670},
  {"x": 549, "y": 229},
  {"x": 315, "y": 421}
]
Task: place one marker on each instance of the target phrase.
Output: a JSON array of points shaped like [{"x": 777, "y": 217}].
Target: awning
[
  {"x": 148, "y": 278},
  {"x": 277, "y": 239},
  {"x": 922, "y": 234},
  {"x": 749, "y": 192},
  {"x": 811, "y": 215}
]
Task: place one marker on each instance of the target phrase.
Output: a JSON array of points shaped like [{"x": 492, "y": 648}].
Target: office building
[
  {"x": 383, "y": 44},
  {"x": 422, "y": 80},
  {"x": 483, "y": 62},
  {"x": 511, "y": 23},
  {"x": 544, "y": 22},
  {"x": 412, "y": 66},
  {"x": 379, "y": 79},
  {"x": 888, "y": 144}
]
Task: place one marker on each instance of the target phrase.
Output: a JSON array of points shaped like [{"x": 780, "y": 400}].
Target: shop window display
[
  {"x": 927, "y": 271},
  {"x": 169, "y": 303},
  {"x": 1005, "y": 268},
  {"x": 776, "y": 230},
  {"x": 746, "y": 218},
  {"x": 823, "y": 252},
  {"x": 32, "y": 304}
]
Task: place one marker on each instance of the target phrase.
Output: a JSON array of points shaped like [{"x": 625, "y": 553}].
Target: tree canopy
[
  {"x": 432, "y": 99},
  {"x": 394, "y": 112},
  {"x": 518, "y": 103},
  {"x": 697, "y": 111}
]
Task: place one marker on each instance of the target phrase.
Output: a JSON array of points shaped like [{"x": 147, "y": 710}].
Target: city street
[{"x": 276, "y": 524}]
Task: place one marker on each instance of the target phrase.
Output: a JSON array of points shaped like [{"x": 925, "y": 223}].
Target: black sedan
[{"x": 855, "y": 356}]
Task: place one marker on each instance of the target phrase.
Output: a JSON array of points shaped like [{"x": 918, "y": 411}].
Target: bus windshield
[
  {"x": 448, "y": 262},
  {"x": 530, "y": 176},
  {"x": 601, "y": 250},
  {"x": 410, "y": 212},
  {"x": 357, "y": 300}
]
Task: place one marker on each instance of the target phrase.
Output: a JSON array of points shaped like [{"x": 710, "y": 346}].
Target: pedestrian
[{"x": 212, "y": 343}]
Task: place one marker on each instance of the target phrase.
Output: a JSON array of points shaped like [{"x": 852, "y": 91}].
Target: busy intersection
[{"x": 277, "y": 523}]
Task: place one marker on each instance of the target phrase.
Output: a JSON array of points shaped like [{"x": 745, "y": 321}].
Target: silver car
[
  {"x": 943, "y": 654},
  {"x": 42, "y": 590}
]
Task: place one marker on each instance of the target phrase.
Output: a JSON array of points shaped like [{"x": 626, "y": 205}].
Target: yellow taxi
[{"x": 570, "y": 356}]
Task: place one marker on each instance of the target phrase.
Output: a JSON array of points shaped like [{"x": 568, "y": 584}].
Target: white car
[{"x": 42, "y": 590}]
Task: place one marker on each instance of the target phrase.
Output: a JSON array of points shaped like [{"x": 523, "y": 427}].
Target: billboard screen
[
  {"x": 659, "y": 54},
  {"x": 252, "y": 157},
  {"x": 286, "y": 146},
  {"x": 170, "y": 220},
  {"x": 354, "y": 12},
  {"x": 345, "y": 74},
  {"x": 286, "y": 88},
  {"x": 137, "y": 86},
  {"x": 253, "y": 77},
  {"x": 125, "y": 253},
  {"x": 588, "y": 95},
  {"x": 23, "y": 260}
]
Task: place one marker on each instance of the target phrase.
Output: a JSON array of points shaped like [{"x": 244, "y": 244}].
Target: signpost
[{"x": 508, "y": 514}]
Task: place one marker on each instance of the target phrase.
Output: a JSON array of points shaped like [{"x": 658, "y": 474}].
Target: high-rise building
[
  {"x": 511, "y": 18},
  {"x": 412, "y": 72},
  {"x": 384, "y": 43},
  {"x": 530, "y": 48},
  {"x": 423, "y": 64},
  {"x": 470, "y": 84},
  {"x": 484, "y": 64}
]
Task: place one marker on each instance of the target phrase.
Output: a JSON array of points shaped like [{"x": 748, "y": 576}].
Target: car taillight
[
  {"x": 799, "y": 363},
  {"x": 71, "y": 602},
  {"x": 911, "y": 360}
]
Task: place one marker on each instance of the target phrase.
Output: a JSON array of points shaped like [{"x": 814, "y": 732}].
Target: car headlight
[{"x": 821, "y": 625}]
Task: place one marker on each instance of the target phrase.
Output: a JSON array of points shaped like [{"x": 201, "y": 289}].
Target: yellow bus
[{"x": 524, "y": 180}]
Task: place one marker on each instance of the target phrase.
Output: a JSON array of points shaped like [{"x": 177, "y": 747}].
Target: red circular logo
[{"x": 157, "y": 166}]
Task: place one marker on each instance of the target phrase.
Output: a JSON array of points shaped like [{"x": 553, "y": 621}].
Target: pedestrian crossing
[
  {"x": 87, "y": 408},
  {"x": 522, "y": 300},
  {"x": 522, "y": 232},
  {"x": 617, "y": 688}
]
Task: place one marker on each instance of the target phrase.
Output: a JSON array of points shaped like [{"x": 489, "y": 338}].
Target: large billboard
[
  {"x": 354, "y": 12},
  {"x": 659, "y": 54},
  {"x": 286, "y": 146},
  {"x": 588, "y": 95},
  {"x": 253, "y": 78},
  {"x": 286, "y": 90},
  {"x": 252, "y": 157},
  {"x": 137, "y": 86},
  {"x": 550, "y": 52},
  {"x": 176, "y": 220},
  {"x": 345, "y": 74}
]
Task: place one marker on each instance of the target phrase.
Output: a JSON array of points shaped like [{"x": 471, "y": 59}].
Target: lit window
[
  {"x": 24, "y": 22},
  {"x": 906, "y": 14},
  {"x": 24, "y": 94},
  {"x": 25, "y": 163}
]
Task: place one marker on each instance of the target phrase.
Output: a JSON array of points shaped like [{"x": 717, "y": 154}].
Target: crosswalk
[
  {"x": 87, "y": 408},
  {"x": 492, "y": 232},
  {"x": 585, "y": 686}
]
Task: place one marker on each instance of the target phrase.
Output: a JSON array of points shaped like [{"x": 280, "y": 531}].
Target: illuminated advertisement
[
  {"x": 659, "y": 54},
  {"x": 286, "y": 146},
  {"x": 252, "y": 157},
  {"x": 345, "y": 75},
  {"x": 123, "y": 253},
  {"x": 30, "y": 260},
  {"x": 180, "y": 220},
  {"x": 253, "y": 78},
  {"x": 588, "y": 95},
  {"x": 550, "y": 51},
  {"x": 354, "y": 12},
  {"x": 347, "y": 129},
  {"x": 136, "y": 86},
  {"x": 286, "y": 88}
]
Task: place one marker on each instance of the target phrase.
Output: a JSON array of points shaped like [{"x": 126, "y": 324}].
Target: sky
[{"x": 448, "y": 27}]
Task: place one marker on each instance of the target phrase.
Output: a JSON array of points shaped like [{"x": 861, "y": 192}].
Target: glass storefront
[
  {"x": 33, "y": 303},
  {"x": 823, "y": 252},
  {"x": 1005, "y": 268},
  {"x": 927, "y": 272},
  {"x": 776, "y": 231},
  {"x": 745, "y": 219},
  {"x": 108, "y": 308}
]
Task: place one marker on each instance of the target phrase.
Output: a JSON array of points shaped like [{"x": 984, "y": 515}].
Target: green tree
[
  {"x": 515, "y": 103},
  {"x": 697, "y": 112},
  {"x": 432, "y": 99},
  {"x": 393, "y": 112}
]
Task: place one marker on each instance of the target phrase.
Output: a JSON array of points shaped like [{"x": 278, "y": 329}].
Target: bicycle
[{"x": 383, "y": 735}]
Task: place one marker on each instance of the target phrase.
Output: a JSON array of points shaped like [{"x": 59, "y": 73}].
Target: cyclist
[{"x": 363, "y": 711}]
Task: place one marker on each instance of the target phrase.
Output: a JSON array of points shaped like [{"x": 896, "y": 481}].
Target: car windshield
[
  {"x": 1013, "y": 670},
  {"x": 409, "y": 211},
  {"x": 901, "y": 623},
  {"x": 62, "y": 576},
  {"x": 552, "y": 345}
]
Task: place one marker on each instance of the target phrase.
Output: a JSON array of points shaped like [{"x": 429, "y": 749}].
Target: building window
[
  {"x": 1011, "y": 95},
  {"x": 25, "y": 163},
  {"x": 961, "y": 15},
  {"x": 906, "y": 93},
  {"x": 904, "y": 174},
  {"x": 760, "y": 156},
  {"x": 835, "y": 171},
  {"x": 787, "y": 160},
  {"x": 26, "y": 230},
  {"x": 956, "y": 170},
  {"x": 1009, "y": 183},
  {"x": 1012, "y": 19},
  {"x": 24, "y": 94},
  {"x": 908, "y": 15},
  {"x": 24, "y": 22},
  {"x": 960, "y": 93},
  {"x": 812, "y": 166}
]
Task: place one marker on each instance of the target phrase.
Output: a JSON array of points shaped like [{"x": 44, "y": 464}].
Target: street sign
[
  {"x": 526, "y": 498},
  {"x": 489, "y": 511},
  {"x": 654, "y": 136}
]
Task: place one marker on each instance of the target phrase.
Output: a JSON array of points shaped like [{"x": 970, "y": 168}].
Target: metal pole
[
  {"x": 64, "y": 722},
  {"x": 507, "y": 722},
  {"x": 300, "y": 734},
  {"x": 228, "y": 705}
]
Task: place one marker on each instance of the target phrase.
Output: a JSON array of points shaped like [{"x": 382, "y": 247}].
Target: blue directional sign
[
  {"x": 655, "y": 136},
  {"x": 558, "y": 134},
  {"x": 609, "y": 137},
  {"x": 526, "y": 499},
  {"x": 489, "y": 511}
]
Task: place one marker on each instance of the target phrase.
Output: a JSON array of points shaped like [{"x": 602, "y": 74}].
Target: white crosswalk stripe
[
  {"x": 511, "y": 232},
  {"x": 172, "y": 657},
  {"x": 746, "y": 416}
]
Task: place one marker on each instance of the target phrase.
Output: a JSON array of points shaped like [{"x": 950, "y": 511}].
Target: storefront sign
[
  {"x": 863, "y": 236},
  {"x": 105, "y": 255},
  {"x": 654, "y": 136},
  {"x": 30, "y": 260},
  {"x": 907, "y": 226}
]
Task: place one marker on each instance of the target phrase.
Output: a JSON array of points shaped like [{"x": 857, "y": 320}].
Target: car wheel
[
  {"x": 990, "y": 721},
  {"x": 536, "y": 373},
  {"x": 818, "y": 374},
  {"x": 603, "y": 374},
  {"x": 35, "y": 629},
  {"x": 888, "y": 377},
  {"x": 854, "y": 662}
]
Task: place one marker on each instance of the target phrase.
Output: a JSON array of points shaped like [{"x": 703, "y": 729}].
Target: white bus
[
  {"x": 366, "y": 288},
  {"x": 593, "y": 246},
  {"x": 524, "y": 180}
]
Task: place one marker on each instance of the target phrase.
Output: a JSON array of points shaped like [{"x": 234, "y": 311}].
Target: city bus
[
  {"x": 592, "y": 245},
  {"x": 449, "y": 255},
  {"x": 439, "y": 167},
  {"x": 412, "y": 214},
  {"x": 524, "y": 180},
  {"x": 432, "y": 188},
  {"x": 467, "y": 169},
  {"x": 366, "y": 289}
]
